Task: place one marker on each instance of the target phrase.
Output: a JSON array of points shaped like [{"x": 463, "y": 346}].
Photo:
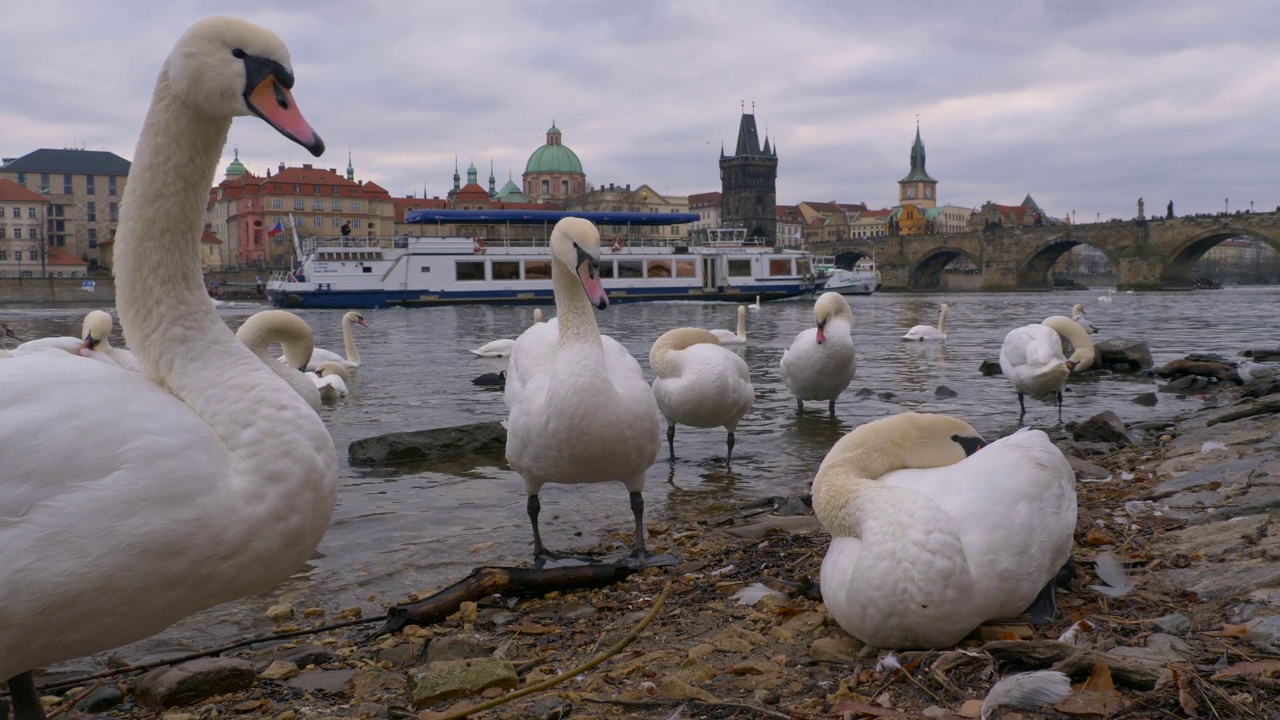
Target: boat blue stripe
[{"x": 384, "y": 298}]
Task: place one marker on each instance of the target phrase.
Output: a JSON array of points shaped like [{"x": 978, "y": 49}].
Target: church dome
[
  {"x": 553, "y": 157},
  {"x": 236, "y": 168}
]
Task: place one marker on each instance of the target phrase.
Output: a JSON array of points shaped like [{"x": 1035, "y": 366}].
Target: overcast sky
[{"x": 1086, "y": 104}]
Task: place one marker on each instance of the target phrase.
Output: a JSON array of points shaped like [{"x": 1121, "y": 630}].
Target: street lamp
[{"x": 1226, "y": 206}]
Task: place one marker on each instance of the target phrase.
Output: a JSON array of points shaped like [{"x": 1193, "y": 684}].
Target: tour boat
[
  {"x": 504, "y": 258},
  {"x": 862, "y": 279}
]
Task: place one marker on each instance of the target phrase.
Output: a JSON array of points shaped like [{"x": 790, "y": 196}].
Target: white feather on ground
[
  {"x": 1109, "y": 569},
  {"x": 1030, "y": 691},
  {"x": 751, "y": 594}
]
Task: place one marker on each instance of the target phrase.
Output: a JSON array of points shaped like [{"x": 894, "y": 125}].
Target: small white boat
[{"x": 861, "y": 280}]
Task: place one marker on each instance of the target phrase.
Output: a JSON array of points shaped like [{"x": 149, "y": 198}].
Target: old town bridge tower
[{"x": 748, "y": 183}]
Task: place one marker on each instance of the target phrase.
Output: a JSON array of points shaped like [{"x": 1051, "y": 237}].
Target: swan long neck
[
  {"x": 1083, "y": 352},
  {"x": 942, "y": 320},
  {"x": 665, "y": 355},
  {"x": 168, "y": 321},
  {"x": 742, "y": 323},
  {"x": 574, "y": 312},
  {"x": 349, "y": 341},
  {"x": 271, "y": 326}
]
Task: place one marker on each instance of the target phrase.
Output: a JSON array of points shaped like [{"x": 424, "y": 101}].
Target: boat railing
[{"x": 619, "y": 241}]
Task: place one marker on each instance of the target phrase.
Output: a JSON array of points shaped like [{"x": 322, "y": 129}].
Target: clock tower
[{"x": 917, "y": 188}]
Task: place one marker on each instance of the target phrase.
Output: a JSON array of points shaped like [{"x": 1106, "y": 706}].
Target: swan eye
[{"x": 239, "y": 54}]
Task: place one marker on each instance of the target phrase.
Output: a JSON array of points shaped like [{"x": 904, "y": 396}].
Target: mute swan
[
  {"x": 820, "y": 363},
  {"x": 580, "y": 408},
  {"x": 264, "y": 328},
  {"x": 331, "y": 380},
  {"x": 1082, "y": 352},
  {"x": 928, "y": 332},
  {"x": 728, "y": 337},
  {"x": 931, "y": 536},
  {"x": 1077, "y": 314},
  {"x": 755, "y": 305},
  {"x": 502, "y": 348},
  {"x": 4, "y": 341},
  {"x": 172, "y": 491},
  {"x": 352, "y": 360},
  {"x": 1031, "y": 358},
  {"x": 699, "y": 384},
  {"x": 1107, "y": 298},
  {"x": 92, "y": 343}
]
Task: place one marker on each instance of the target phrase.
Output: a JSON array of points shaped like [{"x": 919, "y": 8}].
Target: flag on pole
[{"x": 276, "y": 229}]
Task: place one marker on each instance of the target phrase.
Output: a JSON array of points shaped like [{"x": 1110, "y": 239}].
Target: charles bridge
[{"x": 1148, "y": 254}]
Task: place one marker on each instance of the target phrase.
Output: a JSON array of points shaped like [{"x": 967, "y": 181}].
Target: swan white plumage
[
  {"x": 1077, "y": 314},
  {"x": 820, "y": 363},
  {"x": 1082, "y": 350},
  {"x": 755, "y": 305},
  {"x": 1032, "y": 359},
  {"x": 352, "y": 360},
  {"x": 1107, "y": 298},
  {"x": 4, "y": 340},
  {"x": 915, "y": 560},
  {"x": 502, "y": 347},
  {"x": 264, "y": 328},
  {"x": 331, "y": 380},
  {"x": 928, "y": 332},
  {"x": 581, "y": 410},
  {"x": 175, "y": 490},
  {"x": 699, "y": 384},
  {"x": 93, "y": 343},
  {"x": 729, "y": 337}
]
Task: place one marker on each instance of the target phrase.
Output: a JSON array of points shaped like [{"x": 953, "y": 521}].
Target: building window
[
  {"x": 317, "y": 205},
  {"x": 337, "y": 222},
  {"x": 31, "y": 213},
  {"x": 31, "y": 234},
  {"x": 297, "y": 189},
  {"x": 88, "y": 185},
  {"x": 58, "y": 211},
  {"x": 335, "y": 189},
  {"x": 315, "y": 189},
  {"x": 299, "y": 205},
  {"x": 111, "y": 184},
  {"x": 317, "y": 221},
  {"x": 356, "y": 206},
  {"x": 93, "y": 234},
  {"x": 469, "y": 270},
  {"x": 22, "y": 179},
  {"x": 546, "y": 187},
  {"x": 113, "y": 212},
  {"x": 4, "y": 255},
  {"x": 337, "y": 205},
  {"x": 564, "y": 187},
  {"x": 277, "y": 203},
  {"x": 17, "y": 211},
  {"x": 357, "y": 223},
  {"x": 33, "y": 255},
  {"x": 44, "y": 182},
  {"x": 66, "y": 184},
  {"x": 28, "y": 273},
  {"x": 92, "y": 209}
]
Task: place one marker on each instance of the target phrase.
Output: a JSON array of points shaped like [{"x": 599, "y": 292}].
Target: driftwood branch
[
  {"x": 485, "y": 581},
  {"x": 1074, "y": 661},
  {"x": 700, "y": 704}
]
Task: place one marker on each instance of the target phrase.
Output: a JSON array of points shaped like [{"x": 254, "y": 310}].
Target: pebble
[
  {"x": 281, "y": 612},
  {"x": 279, "y": 670}
]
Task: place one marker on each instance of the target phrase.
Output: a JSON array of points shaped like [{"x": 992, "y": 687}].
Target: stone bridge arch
[
  {"x": 1179, "y": 264},
  {"x": 1034, "y": 270},
  {"x": 847, "y": 258},
  {"x": 926, "y": 271}
]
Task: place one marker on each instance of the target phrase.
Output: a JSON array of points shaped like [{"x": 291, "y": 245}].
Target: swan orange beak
[
  {"x": 362, "y": 323},
  {"x": 821, "y": 336},
  {"x": 270, "y": 100},
  {"x": 88, "y": 343}
]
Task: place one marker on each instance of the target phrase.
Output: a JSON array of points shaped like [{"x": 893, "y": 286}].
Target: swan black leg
[
  {"x": 542, "y": 557},
  {"x": 671, "y": 440},
  {"x": 728, "y": 458},
  {"x": 640, "y": 557},
  {"x": 1022, "y": 408},
  {"x": 1044, "y": 609},
  {"x": 831, "y": 406},
  {"x": 26, "y": 701},
  {"x": 799, "y": 405},
  {"x": 1059, "y": 406}
]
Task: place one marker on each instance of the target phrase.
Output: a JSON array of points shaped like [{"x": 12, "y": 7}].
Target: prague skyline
[{"x": 1085, "y": 106}]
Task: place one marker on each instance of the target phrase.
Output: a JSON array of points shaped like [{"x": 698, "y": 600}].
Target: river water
[{"x": 401, "y": 530}]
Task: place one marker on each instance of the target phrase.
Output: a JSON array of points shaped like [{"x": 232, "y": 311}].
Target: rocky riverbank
[{"x": 1184, "y": 506}]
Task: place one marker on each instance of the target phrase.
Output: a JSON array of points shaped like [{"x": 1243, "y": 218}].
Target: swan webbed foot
[
  {"x": 1044, "y": 609},
  {"x": 544, "y": 559},
  {"x": 26, "y": 701},
  {"x": 671, "y": 440},
  {"x": 640, "y": 559}
]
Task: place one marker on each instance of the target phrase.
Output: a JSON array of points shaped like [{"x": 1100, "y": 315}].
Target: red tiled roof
[
  {"x": 882, "y": 214},
  {"x": 706, "y": 199},
  {"x": 405, "y": 204},
  {"x": 208, "y": 238},
  {"x": 58, "y": 256},
  {"x": 13, "y": 192}
]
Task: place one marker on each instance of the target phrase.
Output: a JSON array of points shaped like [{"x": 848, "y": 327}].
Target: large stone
[
  {"x": 1223, "y": 580},
  {"x": 735, "y": 639},
  {"x": 1216, "y": 539},
  {"x": 329, "y": 681},
  {"x": 1087, "y": 470},
  {"x": 1235, "y": 473},
  {"x": 486, "y": 439},
  {"x": 102, "y": 698},
  {"x": 1180, "y": 368},
  {"x": 1264, "y": 634},
  {"x": 836, "y": 649},
  {"x": 370, "y": 682},
  {"x": 193, "y": 681},
  {"x": 451, "y": 679},
  {"x": 1122, "y": 355},
  {"x": 673, "y": 688},
  {"x": 1104, "y": 427},
  {"x": 457, "y": 647},
  {"x": 280, "y": 670}
]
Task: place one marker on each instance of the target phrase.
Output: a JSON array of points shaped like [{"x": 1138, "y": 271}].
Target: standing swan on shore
[
  {"x": 728, "y": 337},
  {"x": 502, "y": 347},
  {"x": 699, "y": 384},
  {"x": 173, "y": 491},
  {"x": 1031, "y": 358},
  {"x": 932, "y": 536},
  {"x": 580, "y": 408},
  {"x": 820, "y": 363},
  {"x": 928, "y": 332}
]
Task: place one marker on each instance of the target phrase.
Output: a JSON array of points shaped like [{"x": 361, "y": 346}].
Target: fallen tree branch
[
  {"x": 1072, "y": 660},
  {"x": 588, "y": 665},
  {"x": 485, "y": 581},
  {"x": 701, "y": 704}
]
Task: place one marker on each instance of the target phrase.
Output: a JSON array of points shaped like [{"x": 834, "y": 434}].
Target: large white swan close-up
[
  {"x": 820, "y": 363},
  {"x": 502, "y": 347},
  {"x": 1078, "y": 314},
  {"x": 929, "y": 332},
  {"x": 1031, "y": 358},
  {"x": 129, "y": 501},
  {"x": 580, "y": 408},
  {"x": 352, "y": 360},
  {"x": 934, "y": 533},
  {"x": 265, "y": 328},
  {"x": 699, "y": 384},
  {"x": 730, "y": 337}
]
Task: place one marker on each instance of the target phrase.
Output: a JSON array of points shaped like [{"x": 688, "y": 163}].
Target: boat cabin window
[
  {"x": 537, "y": 269},
  {"x": 658, "y": 268},
  {"x": 630, "y": 268},
  {"x": 470, "y": 270},
  {"x": 606, "y": 269},
  {"x": 506, "y": 269},
  {"x": 739, "y": 268},
  {"x": 367, "y": 269},
  {"x": 802, "y": 267},
  {"x": 686, "y": 269},
  {"x": 779, "y": 266},
  {"x": 425, "y": 268}
]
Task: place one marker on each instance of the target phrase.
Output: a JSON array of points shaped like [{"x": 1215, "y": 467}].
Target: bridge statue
[
  {"x": 1168, "y": 213},
  {"x": 1141, "y": 215}
]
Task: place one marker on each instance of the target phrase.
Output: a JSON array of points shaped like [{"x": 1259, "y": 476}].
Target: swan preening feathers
[
  {"x": 915, "y": 559},
  {"x": 820, "y": 363},
  {"x": 268, "y": 327},
  {"x": 1033, "y": 360},
  {"x": 205, "y": 477},
  {"x": 699, "y": 383},
  {"x": 580, "y": 408},
  {"x": 928, "y": 332}
]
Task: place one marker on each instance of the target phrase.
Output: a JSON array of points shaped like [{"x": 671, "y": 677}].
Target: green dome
[
  {"x": 237, "y": 168},
  {"x": 553, "y": 157}
]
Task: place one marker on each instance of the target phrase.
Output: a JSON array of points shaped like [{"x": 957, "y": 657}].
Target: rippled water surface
[{"x": 400, "y": 530}]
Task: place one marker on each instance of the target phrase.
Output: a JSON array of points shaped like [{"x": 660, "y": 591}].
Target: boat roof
[{"x": 540, "y": 217}]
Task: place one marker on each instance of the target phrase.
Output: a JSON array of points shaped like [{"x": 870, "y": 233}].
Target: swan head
[
  {"x": 272, "y": 326},
  {"x": 575, "y": 243},
  {"x": 537, "y": 315},
  {"x": 330, "y": 367},
  {"x": 354, "y": 317},
  {"x": 228, "y": 67},
  {"x": 96, "y": 328},
  {"x": 829, "y": 306},
  {"x": 1077, "y": 310}
]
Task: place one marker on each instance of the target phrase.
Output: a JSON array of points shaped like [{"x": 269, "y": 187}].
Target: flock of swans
[{"x": 202, "y": 472}]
